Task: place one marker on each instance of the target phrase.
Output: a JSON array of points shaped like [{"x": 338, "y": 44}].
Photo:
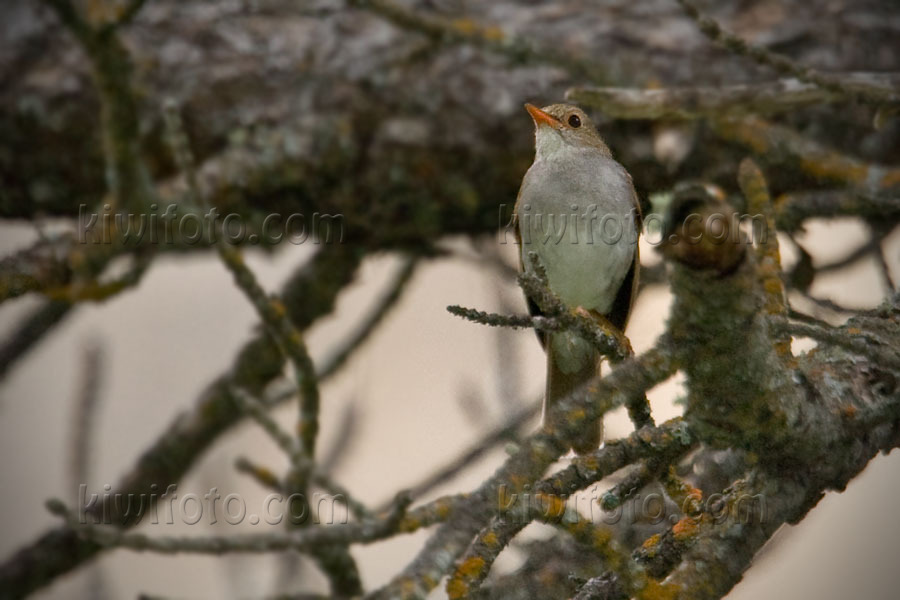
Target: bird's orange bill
[{"x": 540, "y": 117}]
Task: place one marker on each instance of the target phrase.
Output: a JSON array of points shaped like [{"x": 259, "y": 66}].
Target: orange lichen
[
  {"x": 295, "y": 338},
  {"x": 465, "y": 26},
  {"x": 555, "y": 506},
  {"x": 783, "y": 349},
  {"x": 848, "y": 411},
  {"x": 601, "y": 537},
  {"x": 471, "y": 567},
  {"x": 834, "y": 166},
  {"x": 493, "y": 34},
  {"x": 589, "y": 462},
  {"x": 518, "y": 481},
  {"x": 655, "y": 590},
  {"x": 457, "y": 589},
  {"x": 278, "y": 307},
  {"x": 266, "y": 475},
  {"x": 684, "y": 529},
  {"x": 751, "y": 132},
  {"x": 651, "y": 543},
  {"x": 408, "y": 525},
  {"x": 773, "y": 286},
  {"x": 577, "y": 415},
  {"x": 77, "y": 259},
  {"x": 891, "y": 179},
  {"x": 443, "y": 510}
]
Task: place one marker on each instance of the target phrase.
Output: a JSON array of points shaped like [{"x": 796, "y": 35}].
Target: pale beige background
[{"x": 167, "y": 339}]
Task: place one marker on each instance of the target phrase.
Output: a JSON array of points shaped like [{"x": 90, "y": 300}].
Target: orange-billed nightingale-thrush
[{"x": 577, "y": 209}]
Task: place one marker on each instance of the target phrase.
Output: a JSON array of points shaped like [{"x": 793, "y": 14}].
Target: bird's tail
[{"x": 563, "y": 381}]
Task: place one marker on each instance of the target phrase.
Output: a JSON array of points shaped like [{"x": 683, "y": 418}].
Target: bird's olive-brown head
[{"x": 563, "y": 126}]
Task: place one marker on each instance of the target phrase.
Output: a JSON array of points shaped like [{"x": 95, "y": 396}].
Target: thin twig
[
  {"x": 300, "y": 461},
  {"x": 639, "y": 411},
  {"x": 30, "y": 331},
  {"x": 305, "y": 540},
  {"x": 473, "y": 567},
  {"x": 86, "y": 406},
  {"x": 634, "y": 481},
  {"x": 285, "y": 441},
  {"x": 271, "y": 310},
  {"x": 854, "y": 342},
  {"x": 479, "y": 448},
  {"x": 263, "y": 476},
  {"x": 377, "y": 313},
  {"x": 883, "y": 263},
  {"x": 853, "y": 257},
  {"x": 782, "y": 64}
]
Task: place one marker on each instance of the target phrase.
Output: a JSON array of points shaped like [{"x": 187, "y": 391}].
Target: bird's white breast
[{"x": 575, "y": 210}]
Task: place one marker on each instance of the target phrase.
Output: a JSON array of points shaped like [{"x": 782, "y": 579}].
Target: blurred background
[{"x": 327, "y": 105}]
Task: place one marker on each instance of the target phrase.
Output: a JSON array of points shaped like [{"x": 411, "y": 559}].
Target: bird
[{"x": 577, "y": 209}]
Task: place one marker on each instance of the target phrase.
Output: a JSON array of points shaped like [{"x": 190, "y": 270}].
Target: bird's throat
[{"x": 548, "y": 143}]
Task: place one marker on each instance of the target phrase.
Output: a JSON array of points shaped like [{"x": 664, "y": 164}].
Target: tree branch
[{"x": 782, "y": 64}]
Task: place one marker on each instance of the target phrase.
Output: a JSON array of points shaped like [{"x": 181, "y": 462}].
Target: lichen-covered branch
[
  {"x": 767, "y": 98},
  {"x": 741, "y": 393},
  {"x": 768, "y": 255},
  {"x": 508, "y": 430},
  {"x": 794, "y": 207},
  {"x": 534, "y": 455},
  {"x": 850, "y": 338},
  {"x": 777, "y": 143},
  {"x": 782, "y": 64},
  {"x": 491, "y": 37}
]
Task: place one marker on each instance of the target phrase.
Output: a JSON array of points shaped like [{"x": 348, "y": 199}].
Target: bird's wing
[
  {"x": 533, "y": 309},
  {"x": 624, "y": 301}
]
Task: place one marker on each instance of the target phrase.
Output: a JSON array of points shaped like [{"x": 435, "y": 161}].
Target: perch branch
[{"x": 534, "y": 455}]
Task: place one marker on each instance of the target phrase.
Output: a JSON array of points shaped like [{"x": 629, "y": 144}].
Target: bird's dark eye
[{"x": 575, "y": 121}]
